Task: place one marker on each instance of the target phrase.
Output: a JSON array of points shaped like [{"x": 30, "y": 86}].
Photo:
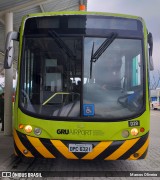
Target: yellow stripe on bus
[
  {"x": 97, "y": 150},
  {"x": 20, "y": 146},
  {"x": 63, "y": 149},
  {"x": 40, "y": 147},
  {"x": 122, "y": 149},
  {"x": 141, "y": 150}
]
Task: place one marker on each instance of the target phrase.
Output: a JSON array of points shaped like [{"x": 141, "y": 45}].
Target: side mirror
[
  {"x": 150, "y": 42},
  {"x": 151, "y": 65},
  {"x": 8, "y": 58}
]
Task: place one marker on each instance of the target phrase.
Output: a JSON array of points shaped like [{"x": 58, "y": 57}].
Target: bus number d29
[{"x": 134, "y": 123}]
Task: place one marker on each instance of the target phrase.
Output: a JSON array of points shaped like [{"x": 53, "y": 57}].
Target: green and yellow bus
[{"x": 82, "y": 89}]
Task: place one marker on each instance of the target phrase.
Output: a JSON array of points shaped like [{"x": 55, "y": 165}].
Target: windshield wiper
[
  {"x": 95, "y": 56},
  {"x": 103, "y": 47},
  {"x": 91, "y": 62},
  {"x": 62, "y": 44}
]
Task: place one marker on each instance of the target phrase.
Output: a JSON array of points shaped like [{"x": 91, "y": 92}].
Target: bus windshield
[
  {"x": 76, "y": 76},
  {"x": 116, "y": 87}
]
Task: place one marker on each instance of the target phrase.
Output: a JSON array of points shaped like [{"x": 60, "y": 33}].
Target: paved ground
[{"x": 6, "y": 147}]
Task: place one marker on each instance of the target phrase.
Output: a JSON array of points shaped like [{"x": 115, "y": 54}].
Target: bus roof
[{"x": 82, "y": 13}]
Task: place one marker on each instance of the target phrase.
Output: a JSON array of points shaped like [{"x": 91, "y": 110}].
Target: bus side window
[{"x": 136, "y": 71}]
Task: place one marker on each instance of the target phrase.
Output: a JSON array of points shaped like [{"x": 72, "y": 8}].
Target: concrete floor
[{"x": 6, "y": 146}]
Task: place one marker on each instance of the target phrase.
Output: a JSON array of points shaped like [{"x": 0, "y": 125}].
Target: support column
[{"x": 8, "y": 83}]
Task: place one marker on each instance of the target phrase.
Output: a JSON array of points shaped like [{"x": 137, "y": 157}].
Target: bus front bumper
[{"x": 29, "y": 146}]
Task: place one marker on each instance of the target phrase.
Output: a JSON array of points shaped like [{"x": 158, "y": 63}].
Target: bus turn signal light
[
  {"x": 21, "y": 126},
  {"x": 142, "y": 129}
]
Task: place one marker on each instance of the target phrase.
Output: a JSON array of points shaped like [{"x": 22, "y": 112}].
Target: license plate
[{"x": 80, "y": 147}]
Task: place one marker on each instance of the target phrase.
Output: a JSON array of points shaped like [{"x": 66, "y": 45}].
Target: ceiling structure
[{"x": 19, "y": 8}]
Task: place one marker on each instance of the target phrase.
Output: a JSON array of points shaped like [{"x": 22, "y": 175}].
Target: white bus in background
[{"x": 155, "y": 99}]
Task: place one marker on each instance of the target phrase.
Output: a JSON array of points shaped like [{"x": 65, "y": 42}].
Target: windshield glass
[
  {"x": 113, "y": 84},
  {"x": 59, "y": 78},
  {"x": 51, "y": 78}
]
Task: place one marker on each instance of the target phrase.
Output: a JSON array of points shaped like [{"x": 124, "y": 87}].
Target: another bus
[
  {"x": 155, "y": 99},
  {"x": 82, "y": 89}
]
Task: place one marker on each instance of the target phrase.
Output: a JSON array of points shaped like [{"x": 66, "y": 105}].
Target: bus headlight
[
  {"x": 37, "y": 131},
  {"x": 134, "y": 132},
  {"x": 28, "y": 128},
  {"x": 125, "y": 133}
]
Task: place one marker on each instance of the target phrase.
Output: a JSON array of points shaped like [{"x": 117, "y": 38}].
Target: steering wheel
[{"x": 131, "y": 101}]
